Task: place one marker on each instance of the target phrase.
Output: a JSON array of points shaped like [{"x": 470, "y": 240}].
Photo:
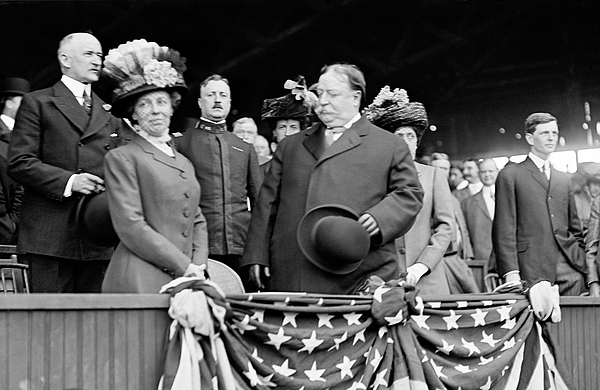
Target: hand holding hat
[
  {"x": 415, "y": 272},
  {"x": 544, "y": 301}
]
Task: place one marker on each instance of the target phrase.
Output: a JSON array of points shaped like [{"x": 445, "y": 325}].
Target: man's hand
[
  {"x": 256, "y": 273},
  {"x": 595, "y": 289},
  {"x": 369, "y": 223},
  {"x": 86, "y": 183},
  {"x": 415, "y": 272}
]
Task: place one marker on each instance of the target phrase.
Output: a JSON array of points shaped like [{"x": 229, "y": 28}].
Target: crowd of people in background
[{"x": 110, "y": 198}]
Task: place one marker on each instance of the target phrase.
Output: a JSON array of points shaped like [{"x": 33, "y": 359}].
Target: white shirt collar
[
  {"x": 475, "y": 187},
  {"x": 539, "y": 162},
  {"x": 352, "y": 121},
  {"x": 8, "y": 121},
  {"x": 76, "y": 87},
  {"x": 213, "y": 122},
  {"x": 488, "y": 190}
]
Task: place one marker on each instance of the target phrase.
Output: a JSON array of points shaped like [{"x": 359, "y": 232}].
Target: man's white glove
[
  {"x": 415, "y": 272},
  {"x": 545, "y": 301}
]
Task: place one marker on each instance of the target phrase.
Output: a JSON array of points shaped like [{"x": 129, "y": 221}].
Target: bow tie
[{"x": 211, "y": 127}]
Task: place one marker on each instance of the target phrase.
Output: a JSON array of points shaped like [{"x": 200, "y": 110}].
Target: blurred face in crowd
[
  {"x": 81, "y": 58},
  {"x": 247, "y": 131},
  {"x": 153, "y": 112},
  {"x": 215, "y": 100},
  {"x": 444, "y": 165},
  {"x": 471, "y": 172},
  {"x": 338, "y": 103},
  {"x": 261, "y": 146},
  {"x": 409, "y": 136},
  {"x": 488, "y": 171},
  {"x": 455, "y": 177},
  {"x": 544, "y": 139},
  {"x": 594, "y": 187},
  {"x": 285, "y": 127}
]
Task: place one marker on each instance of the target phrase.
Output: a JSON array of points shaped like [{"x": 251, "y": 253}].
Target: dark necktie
[{"x": 87, "y": 103}]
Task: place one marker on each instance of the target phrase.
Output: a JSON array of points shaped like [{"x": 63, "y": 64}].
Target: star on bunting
[
  {"x": 325, "y": 320},
  {"x": 359, "y": 336},
  {"x": 339, "y": 341},
  {"x": 311, "y": 343},
  {"x": 289, "y": 318},
  {"x": 479, "y": 317},
  {"x": 284, "y": 369},
  {"x": 259, "y": 315},
  {"x": 376, "y": 359},
  {"x": 244, "y": 325},
  {"x": 487, "y": 385},
  {"x": 398, "y": 318},
  {"x": 504, "y": 312},
  {"x": 451, "y": 320},
  {"x": 509, "y": 324},
  {"x": 421, "y": 321},
  {"x": 277, "y": 339},
  {"x": 252, "y": 376},
  {"x": 346, "y": 367},
  {"x": 509, "y": 344},
  {"x": 352, "y": 318},
  {"x": 446, "y": 348},
  {"x": 463, "y": 369},
  {"x": 379, "y": 293},
  {"x": 314, "y": 374},
  {"x": 256, "y": 357},
  {"x": 438, "y": 370},
  {"x": 488, "y": 339},
  {"x": 470, "y": 346},
  {"x": 380, "y": 379}
]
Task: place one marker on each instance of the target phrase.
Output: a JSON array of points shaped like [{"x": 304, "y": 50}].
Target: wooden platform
[{"x": 106, "y": 342}]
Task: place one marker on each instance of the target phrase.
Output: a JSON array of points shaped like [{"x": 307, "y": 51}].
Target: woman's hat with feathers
[
  {"x": 298, "y": 104},
  {"x": 140, "y": 66},
  {"x": 392, "y": 109}
]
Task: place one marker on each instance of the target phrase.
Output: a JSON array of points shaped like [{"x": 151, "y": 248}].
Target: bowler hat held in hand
[{"x": 331, "y": 238}]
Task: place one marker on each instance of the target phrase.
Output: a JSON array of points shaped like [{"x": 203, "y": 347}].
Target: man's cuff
[{"x": 69, "y": 187}]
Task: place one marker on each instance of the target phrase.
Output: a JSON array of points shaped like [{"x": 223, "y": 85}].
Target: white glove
[
  {"x": 195, "y": 270},
  {"x": 545, "y": 301},
  {"x": 415, "y": 272}
]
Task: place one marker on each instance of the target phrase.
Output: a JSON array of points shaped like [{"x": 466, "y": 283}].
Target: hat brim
[
  {"x": 93, "y": 218},
  {"x": 121, "y": 105},
  {"x": 304, "y": 232}
]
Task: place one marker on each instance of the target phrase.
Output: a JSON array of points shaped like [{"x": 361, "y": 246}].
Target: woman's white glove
[
  {"x": 415, "y": 272},
  {"x": 195, "y": 270},
  {"x": 545, "y": 301}
]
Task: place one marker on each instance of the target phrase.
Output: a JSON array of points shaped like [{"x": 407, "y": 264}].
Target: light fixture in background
[
  {"x": 432, "y": 127},
  {"x": 502, "y": 130}
]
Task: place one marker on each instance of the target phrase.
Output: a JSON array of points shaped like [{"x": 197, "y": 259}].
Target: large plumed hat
[
  {"x": 298, "y": 104},
  {"x": 14, "y": 86},
  {"x": 140, "y": 66},
  {"x": 392, "y": 109},
  {"x": 331, "y": 238}
]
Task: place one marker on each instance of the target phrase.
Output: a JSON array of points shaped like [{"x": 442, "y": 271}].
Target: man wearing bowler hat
[
  {"x": 347, "y": 162},
  {"x": 11, "y": 193},
  {"x": 56, "y": 152}
]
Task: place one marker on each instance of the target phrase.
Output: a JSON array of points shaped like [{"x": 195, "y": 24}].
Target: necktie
[
  {"x": 331, "y": 132},
  {"x": 546, "y": 172},
  {"x": 87, "y": 102}
]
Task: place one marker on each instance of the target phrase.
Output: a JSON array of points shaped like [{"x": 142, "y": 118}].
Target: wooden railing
[{"x": 89, "y": 341}]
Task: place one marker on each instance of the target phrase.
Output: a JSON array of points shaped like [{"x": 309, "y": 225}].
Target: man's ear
[
  {"x": 64, "y": 60},
  {"x": 357, "y": 98},
  {"x": 529, "y": 138}
]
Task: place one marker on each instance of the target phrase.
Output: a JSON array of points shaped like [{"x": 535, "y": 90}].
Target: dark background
[{"x": 478, "y": 65}]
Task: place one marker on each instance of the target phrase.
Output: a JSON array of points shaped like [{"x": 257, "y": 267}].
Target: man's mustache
[{"x": 217, "y": 105}]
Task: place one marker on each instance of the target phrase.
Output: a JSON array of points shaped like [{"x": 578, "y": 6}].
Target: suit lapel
[
  {"x": 535, "y": 172},
  {"x": 177, "y": 162},
  {"x": 350, "y": 138},
  {"x": 98, "y": 117},
  {"x": 480, "y": 202},
  {"x": 314, "y": 141},
  {"x": 67, "y": 104}
]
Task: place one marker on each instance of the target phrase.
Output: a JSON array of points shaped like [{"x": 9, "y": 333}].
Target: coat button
[
  {"x": 552, "y": 215},
  {"x": 79, "y": 144},
  {"x": 186, "y": 213},
  {"x": 183, "y": 175},
  {"x": 186, "y": 194},
  {"x": 402, "y": 251},
  {"x": 185, "y": 233}
]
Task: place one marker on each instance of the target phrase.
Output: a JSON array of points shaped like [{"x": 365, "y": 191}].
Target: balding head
[
  {"x": 80, "y": 57},
  {"x": 488, "y": 171}
]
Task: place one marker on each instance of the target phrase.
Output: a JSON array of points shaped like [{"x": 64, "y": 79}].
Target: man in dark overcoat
[
  {"x": 56, "y": 152},
  {"x": 536, "y": 232},
  {"x": 348, "y": 161}
]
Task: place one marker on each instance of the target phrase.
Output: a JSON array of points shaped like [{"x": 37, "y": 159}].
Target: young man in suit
[
  {"x": 56, "y": 152},
  {"x": 344, "y": 160},
  {"x": 536, "y": 232},
  {"x": 479, "y": 213}
]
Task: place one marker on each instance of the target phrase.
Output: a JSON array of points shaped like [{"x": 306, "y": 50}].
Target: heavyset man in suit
[
  {"x": 347, "y": 161},
  {"x": 56, "y": 152},
  {"x": 536, "y": 232},
  {"x": 479, "y": 213}
]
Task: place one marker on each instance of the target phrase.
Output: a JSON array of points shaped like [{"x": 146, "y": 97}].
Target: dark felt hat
[
  {"x": 15, "y": 86},
  {"x": 95, "y": 224},
  {"x": 331, "y": 238}
]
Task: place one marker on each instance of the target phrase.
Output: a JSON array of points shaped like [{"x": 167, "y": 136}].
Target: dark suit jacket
[
  {"x": 53, "y": 139},
  {"x": 367, "y": 169},
  {"x": 533, "y": 221},
  {"x": 479, "y": 223},
  {"x": 11, "y": 197}
]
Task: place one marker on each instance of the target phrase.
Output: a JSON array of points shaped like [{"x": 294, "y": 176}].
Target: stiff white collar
[{"x": 76, "y": 87}]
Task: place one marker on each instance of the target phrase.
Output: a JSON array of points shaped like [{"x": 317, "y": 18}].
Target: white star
[
  {"x": 470, "y": 346},
  {"x": 488, "y": 384},
  {"x": 380, "y": 379},
  {"x": 382, "y": 332},
  {"x": 511, "y": 301},
  {"x": 289, "y": 318},
  {"x": 398, "y": 318},
  {"x": 504, "y": 370},
  {"x": 461, "y": 304},
  {"x": 256, "y": 357},
  {"x": 435, "y": 305},
  {"x": 353, "y": 302},
  {"x": 484, "y": 361},
  {"x": 313, "y": 374},
  {"x": 320, "y": 303},
  {"x": 259, "y": 315},
  {"x": 509, "y": 324},
  {"x": 311, "y": 343},
  {"x": 358, "y": 386},
  {"x": 479, "y": 317},
  {"x": 339, "y": 341},
  {"x": 359, "y": 336},
  {"x": 488, "y": 339},
  {"x": 244, "y": 325},
  {"x": 508, "y": 344},
  {"x": 352, "y": 318},
  {"x": 504, "y": 312},
  {"x": 284, "y": 369},
  {"x": 379, "y": 293},
  {"x": 376, "y": 359},
  {"x": 446, "y": 348},
  {"x": 346, "y": 367},
  {"x": 438, "y": 370},
  {"x": 463, "y": 369},
  {"x": 451, "y": 320},
  {"x": 277, "y": 339},
  {"x": 266, "y": 380},
  {"x": 420, "y": 306},
  {"x": 324, "y": 320},
  {"x": 487, "y": 303},
  {"x": 421, "y": 321},
  {"x": 252, "y": 376}
]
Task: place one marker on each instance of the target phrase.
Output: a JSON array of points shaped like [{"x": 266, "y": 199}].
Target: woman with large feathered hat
[{"x": 153, "y": 194}]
